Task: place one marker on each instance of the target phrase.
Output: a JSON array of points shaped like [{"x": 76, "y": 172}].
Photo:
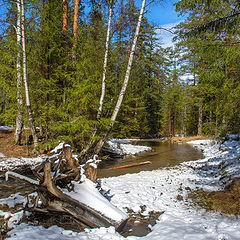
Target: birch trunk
[
  {"x": 24, "y": 66},
  {"x": 19, "y": 117},
  {"x": 75, "y": 27},
  {"x": 99, "y": 113},
  {"x": 105, "y": 62},
  {"x": 200, "y": 116},
  {"x": 126, "y": 79}
]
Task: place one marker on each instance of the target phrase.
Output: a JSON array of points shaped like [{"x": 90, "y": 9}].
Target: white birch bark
[
  {"x": 130, "y": 60},
  {"x": 24, "y": 66},
  {"x": 200, "y": 116},
  {"x": 19, "y": 117},
  {"x": 126, "y": 79},
  {"x": 105, "y": 63},
  {"x": 99, "y": 113}
]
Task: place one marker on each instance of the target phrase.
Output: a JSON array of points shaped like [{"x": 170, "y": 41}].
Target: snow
[
  {"x": 158, "y": 190},
  {"x": 123, "y": 146},
  {"x": 12, "y": 163},
  {"x": 87, "y": 193},
  {"x": 19, "y": 176},
  {"x": 93, "y": 162},
  {"x": 6, "y": 127},
  {"x": 13, "y": 200},
  {"x": 60, "y": 147}
]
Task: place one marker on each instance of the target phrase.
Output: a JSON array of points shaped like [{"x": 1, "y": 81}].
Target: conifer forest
[{"x": 83, "y": 71}]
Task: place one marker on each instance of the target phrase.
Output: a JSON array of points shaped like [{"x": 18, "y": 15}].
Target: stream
[{"x": 163, "y": 154}]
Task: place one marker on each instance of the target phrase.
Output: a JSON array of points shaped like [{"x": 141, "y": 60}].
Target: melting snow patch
[
  {"x": 124, "y": 147},
  {"x": 158, "y": 190}
]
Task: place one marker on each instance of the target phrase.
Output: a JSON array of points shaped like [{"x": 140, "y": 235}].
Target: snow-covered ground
[
  {"x": 12, "y": 163},
  {"x": 165, "y": 190},
  {"x": 124, "y": 147}
]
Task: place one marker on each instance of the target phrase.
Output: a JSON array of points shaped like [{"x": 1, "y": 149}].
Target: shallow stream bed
[{"x": 163, "y": 154}]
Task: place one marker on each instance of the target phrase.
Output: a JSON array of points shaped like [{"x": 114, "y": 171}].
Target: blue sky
[{"x": 163, "y": 13}]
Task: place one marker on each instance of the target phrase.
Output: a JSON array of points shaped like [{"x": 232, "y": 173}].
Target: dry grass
[
  {"x": 186, "y": 139},
  {"x": 226, "y": 201}
]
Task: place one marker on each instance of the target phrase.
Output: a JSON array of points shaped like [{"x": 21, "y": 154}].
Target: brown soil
[{"x": 9, "y": 149}]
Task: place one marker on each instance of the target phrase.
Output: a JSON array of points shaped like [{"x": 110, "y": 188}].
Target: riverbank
[{"x": 166, "y": 190}]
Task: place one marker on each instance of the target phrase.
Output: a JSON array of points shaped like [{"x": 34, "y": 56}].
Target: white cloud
[{"x": 164, "y": 34}]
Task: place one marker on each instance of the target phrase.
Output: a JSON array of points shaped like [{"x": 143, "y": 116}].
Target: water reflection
[{"x": 164, "y": 154}]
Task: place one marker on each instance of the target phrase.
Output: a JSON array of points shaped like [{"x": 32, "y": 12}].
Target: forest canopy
[{"x": 192, "y": 88}]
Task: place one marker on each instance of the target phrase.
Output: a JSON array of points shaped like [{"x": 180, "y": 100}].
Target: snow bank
[
  {"x": 159, "y": 190},
  {"x": 11, "y": 163},
  {"x": 87, "y": 193},
  {"x": 123, "y": 147},
  {"x": 222, "y": 160}
]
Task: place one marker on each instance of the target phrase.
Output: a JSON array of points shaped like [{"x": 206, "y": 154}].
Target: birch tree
[
  {"x": 25, "y": 81},
  {"x": 105, "y": 62},
  {"x": 125, "y": 82},
  {"x": 99, "y": 113},
  {"x": 19, "y": 117}
]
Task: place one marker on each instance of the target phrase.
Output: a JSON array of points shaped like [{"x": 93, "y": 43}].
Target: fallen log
[
  {"x": 62, "y": 187},
  {"x": 130, "y": 165}
]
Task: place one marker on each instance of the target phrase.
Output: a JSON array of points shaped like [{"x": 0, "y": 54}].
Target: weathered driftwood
[
  {"x": 61, "y": 171},
  {"x": 131, "y": 165}
]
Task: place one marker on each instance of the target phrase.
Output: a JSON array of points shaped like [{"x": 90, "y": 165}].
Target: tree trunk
[
  {"x": 75, "y": 27},
  {"x": 29, "y": 111},
  {"x": 65, "y": 17},
  {"x": 105, "y": 62},
  {"x": 200, "y": 109},
  {"x": 99, "y": 113},
  {"x": 19, "y": 117},
  {"x": 169, "y": 121},
  {"x": 125, "y": 83},
  {"x": 200, "y": 116}
]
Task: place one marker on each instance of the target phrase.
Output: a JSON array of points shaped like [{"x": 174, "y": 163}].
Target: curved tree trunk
[
  {"x": 19, "y": 117},
  {"x": 105, "y": 63},
  {"x": 29, "y": 110},
  {"x": 99, "y": 113},
  {"x": 125, "y": 83}
]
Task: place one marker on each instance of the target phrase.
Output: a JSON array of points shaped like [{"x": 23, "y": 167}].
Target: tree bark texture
[
  {"x": 19, "y": 117},
  {"x": 200, "y": 116},
  {"x": 126, "y": 79},
  {"x": 105, "y": 62},
  {"x": 65, "y": 17},
  {"x": 99, "y": 113},
  {"x": 75, "y": 28},
  {"x": 24, "y": 66},
  {"x": 57, "y": 176}
]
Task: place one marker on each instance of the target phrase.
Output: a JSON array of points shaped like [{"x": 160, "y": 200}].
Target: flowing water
[{"x": 163, "y": 154}]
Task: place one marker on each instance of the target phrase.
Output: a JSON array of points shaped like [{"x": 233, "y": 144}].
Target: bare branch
[
  {"x": 4, "y": 21},
  {"x": 165, "y": 29}
]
